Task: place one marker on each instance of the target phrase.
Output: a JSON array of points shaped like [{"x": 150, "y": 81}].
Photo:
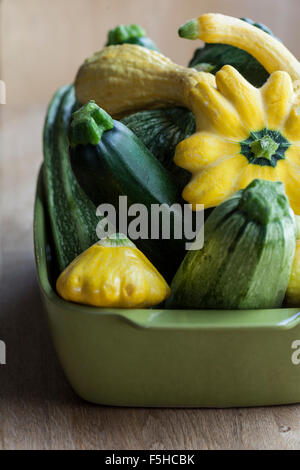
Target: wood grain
[{"x": 38, "y": 410}]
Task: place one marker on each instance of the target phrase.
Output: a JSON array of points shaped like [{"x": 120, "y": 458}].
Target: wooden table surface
[{"x": 38, "y": 409}]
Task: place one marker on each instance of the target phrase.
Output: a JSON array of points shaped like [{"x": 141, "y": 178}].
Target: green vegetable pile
[{"x": 91, "y": 159}]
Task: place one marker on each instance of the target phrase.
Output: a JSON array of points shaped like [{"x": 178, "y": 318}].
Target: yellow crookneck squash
[
  {"x": 242, "y": 132},
  {"x": 113, "y": 273}
]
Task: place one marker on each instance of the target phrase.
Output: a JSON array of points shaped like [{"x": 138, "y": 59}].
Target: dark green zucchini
[
  {"x": 72, "y": 215},
  {"x": 120, "y": 165},
  {"x": 130, "y": 34},
  {"x": 212, "y": 57},
  {"x": 161, "y": 130}
]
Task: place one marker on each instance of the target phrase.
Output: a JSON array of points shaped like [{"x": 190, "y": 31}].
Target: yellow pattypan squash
[
  {"x": 242, "y": 133},
  {"x": 246, "y": 133},
  {"x": 113, "y": 273}
]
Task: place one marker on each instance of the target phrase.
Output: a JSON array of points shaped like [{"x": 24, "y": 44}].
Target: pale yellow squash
[{"x": 127, "y": 78}]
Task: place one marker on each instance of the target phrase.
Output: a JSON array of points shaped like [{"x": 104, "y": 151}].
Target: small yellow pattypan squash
[
  {"x": 242, "y": 133},
  {"x": 113, "y": 273}
]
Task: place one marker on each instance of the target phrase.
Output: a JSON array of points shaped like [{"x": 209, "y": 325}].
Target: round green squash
[{"x": 246, "y": 260}]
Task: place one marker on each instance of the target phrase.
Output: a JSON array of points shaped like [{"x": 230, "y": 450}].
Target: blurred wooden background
[{"x": 43, "y": 42}]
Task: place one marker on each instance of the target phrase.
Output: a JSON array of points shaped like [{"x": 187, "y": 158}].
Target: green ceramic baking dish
[{"x": 164, "y": 358}]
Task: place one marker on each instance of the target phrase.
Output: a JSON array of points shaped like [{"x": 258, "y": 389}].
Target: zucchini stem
[
  {"x": 123, "y": 33},
  {"x": 88, "y": 124}
]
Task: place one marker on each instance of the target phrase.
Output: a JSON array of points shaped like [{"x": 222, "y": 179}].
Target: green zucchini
[
  {"x": 247, "y": 256},
  {"x": 212, "y": 57},
  {"x": 161, "y": 130},
  {"x": 130, "y": 34},
  {"x": 72, "y": 215},
  {"x": 120, "y": 165}
]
